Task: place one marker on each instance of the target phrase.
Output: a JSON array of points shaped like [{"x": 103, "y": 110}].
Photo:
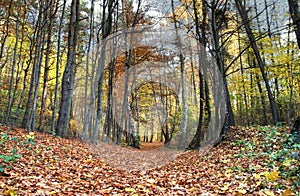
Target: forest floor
[{"x": 251, "y": 161}]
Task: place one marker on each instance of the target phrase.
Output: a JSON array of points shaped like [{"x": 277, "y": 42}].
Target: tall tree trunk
[
  {"x": 58, "y": 61},
  {"x": 183, "y": 134},
  {"x": 10, "y": 94},
  {"x": 46, "y": 68},
  {"x": 16, "y": 114},
  {"x": 243, "y": 82},
  {"x": 201, "y": 36},
  {"x": 106, "y": 30},
  {"x": 87, "y": 62},
  {"x": 35, "y": 44},
  {"x": 245, "y": 19},
  {"x": 38, "y": 61},
  {"x": 127, "y": 64},
  {"x": 69, "y": 73},
  {"x": 229, "y": 121}
]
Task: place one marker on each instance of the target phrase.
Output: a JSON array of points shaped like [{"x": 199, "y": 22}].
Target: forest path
[{"x": 251, "y": 161}]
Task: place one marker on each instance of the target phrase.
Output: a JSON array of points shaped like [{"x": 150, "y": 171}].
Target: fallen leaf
[
  {"x": 129, "y": 190},
  {"x": 243, "y": 191},
  {"x": 288, "y": 192},
  {"x": 268, "y": 192}
]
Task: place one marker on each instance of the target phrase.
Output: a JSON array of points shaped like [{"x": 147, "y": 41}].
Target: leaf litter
[{"x": 251, "y": 161}]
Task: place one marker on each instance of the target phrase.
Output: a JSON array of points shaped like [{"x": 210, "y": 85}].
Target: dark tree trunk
[
  {"x": 4, "y": 37},
  {"x": 58, "y": 57},
  {"x": 296, "y": 131},
  {"x": 69, "y": 73},
  {"x": 295, "y": 15},
  {"x": 195, "y": 143},
  {"x": 246, "y": 22},
  {"x": 38, "y": 62},
  {"x": 229, "y": 121},
  {"x": 10, "y": 93},
  {"x": 46, "y": 69}
]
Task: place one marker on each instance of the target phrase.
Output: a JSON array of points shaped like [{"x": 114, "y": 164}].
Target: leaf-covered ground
[{"x": 251, "y": 161}]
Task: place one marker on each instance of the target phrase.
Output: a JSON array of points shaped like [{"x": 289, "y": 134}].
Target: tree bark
[
  {"x": 10, "y": 94},
  {"x": 183, "y": 133},
  {"x": 295, "y": 15},
  {"x": 245, "y": 19},
  {"x": 107, "y": 26},
  {"x": 69, "y": 72},
  {"x": 46, "y": 68},
  {"x": 216, "y": 38},
  {"x": 58, "y": 60},
  {"x": 38, "y": 63}
]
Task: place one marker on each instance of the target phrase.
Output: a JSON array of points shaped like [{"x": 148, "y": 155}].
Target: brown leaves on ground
[{"x": 41, "y": 164}]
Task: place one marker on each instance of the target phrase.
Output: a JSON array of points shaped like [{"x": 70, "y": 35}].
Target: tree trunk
[
  {"x": 107, "y": 26},
  {"x": 229, "y": 121},
  {"x": 295, "y": 15},
  {"x": 38, "y": 62},
  {"x": 182, "y": 135},
  {"x": 4, "y": 38},
  {"x": 58, "y": 60},
  {"x": 128, "y": 53},
  {"x": 16, "y": 114},
  {"x": 46, "y": 69},
  {"x": 201, "y": 36},
  {"x": 69, "y": 73},
  {"x": 10, "y": 97},
  {"x": 108, "y": 119},
  {"x": 245, "y": 19},
  {"x": 296, "y": 131}
]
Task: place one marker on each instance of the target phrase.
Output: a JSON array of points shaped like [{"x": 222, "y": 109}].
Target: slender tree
[
  {"x": 246, "y": 22},
  {"x": 38, "y": 62},
  {"x": 58, "y": 61},
  {"x": 50, "y": 16},
  {"x": 69, "y": 72},
  {"x": 6, "y": 33},
  {"x": 216, "y": 22},
  {"x": 107, "y": 23},
  {"x": 183, "y": 82},
  {"x": 12, "y": 78}
]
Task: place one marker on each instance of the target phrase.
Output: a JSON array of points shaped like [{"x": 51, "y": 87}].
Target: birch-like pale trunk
[{"x": 182, "y": 139}]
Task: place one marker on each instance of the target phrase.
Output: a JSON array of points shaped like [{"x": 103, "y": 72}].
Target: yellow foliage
[
  {"x": 11, "y": 192},
  {"x": 129, "y": 189},
  {"x": 272, "y": 176},
  {"x": 30, "y": 135}
]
